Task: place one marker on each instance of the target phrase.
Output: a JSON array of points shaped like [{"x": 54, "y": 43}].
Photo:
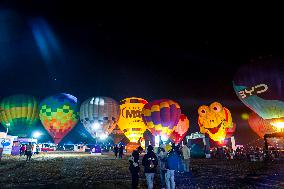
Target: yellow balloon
[
  {"x": 216, "y": 121},
  {"x": 130, "y": 119}
]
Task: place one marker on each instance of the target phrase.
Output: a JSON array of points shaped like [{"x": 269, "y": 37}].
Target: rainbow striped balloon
[{"x": 19, "y": 113}]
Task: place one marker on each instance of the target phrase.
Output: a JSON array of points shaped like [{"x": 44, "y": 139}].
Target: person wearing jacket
[
  {"x": 150, "y": 163},
  {"x": 162, "y": 156},
  {"x": 29, "y": 151},
  {"x": 172, "y": 163},
  {"x": 134, "y": 167},
  {"x": 186, "y": 157},
  {"x": 115, "y": 150},
  {"x": 120, "y": 151}
]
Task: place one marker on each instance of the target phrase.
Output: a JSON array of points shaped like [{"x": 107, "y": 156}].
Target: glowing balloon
[
  {"x": 260, "y": 87},
  {"x": 59, "y": 114},
  {"x": 161, "y": 116},
  {"x": 261, "y": 127},
  {"x": 99, "y": 115},
  {"x": 216, "y": 121},
  {"x": 131, "y": 146},
  {"x": 180, "y": 131},
  {"x": 117, "y": 135},
  {"x": 130, "y": 120},
  {"x": 19, "y": 113}
]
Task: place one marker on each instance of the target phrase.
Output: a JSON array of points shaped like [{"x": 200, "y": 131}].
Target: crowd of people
[
  {"x": 176, "y": 159},
  {"x": 118, "y": 150},
  {"x": 250, "y": 153},
  {"x": 27, "y": 150}
]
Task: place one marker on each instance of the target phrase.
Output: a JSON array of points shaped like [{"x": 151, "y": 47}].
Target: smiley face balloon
[{"x": 216, "y": 121}]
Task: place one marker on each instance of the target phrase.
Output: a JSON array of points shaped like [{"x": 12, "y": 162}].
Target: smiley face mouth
[{"x": 214, "y": 129}]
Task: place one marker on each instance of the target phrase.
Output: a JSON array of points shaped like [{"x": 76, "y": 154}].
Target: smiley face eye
[
  {"x": 202, "y": 110},
  {"x": 216, "y": 107}
]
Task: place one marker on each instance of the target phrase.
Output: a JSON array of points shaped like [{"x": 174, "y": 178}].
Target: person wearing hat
[
  {"x": 150, "y": 163},
  {"x": 134, "y": 167},
  {"x": 172, "y": 163}
]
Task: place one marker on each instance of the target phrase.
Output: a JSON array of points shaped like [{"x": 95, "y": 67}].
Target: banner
[{"x": 7, "y": 144}]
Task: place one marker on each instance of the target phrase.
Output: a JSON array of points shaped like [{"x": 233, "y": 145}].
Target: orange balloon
[
  {"x": 180, "y": 131},
  {"x": 261, "y": 127}
]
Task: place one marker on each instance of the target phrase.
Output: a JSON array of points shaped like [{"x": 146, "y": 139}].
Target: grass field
[{"x": 82, "y": 170}]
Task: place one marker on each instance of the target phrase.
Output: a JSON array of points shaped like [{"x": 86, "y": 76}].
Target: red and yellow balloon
[
  {"x": 261, "y": 127},
  {"x": 180, "y": 131},
  {"x": 216, "y": 121}
]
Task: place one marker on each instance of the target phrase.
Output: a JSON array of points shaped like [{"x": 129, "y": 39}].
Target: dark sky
[{"x": 186, "y": 56}]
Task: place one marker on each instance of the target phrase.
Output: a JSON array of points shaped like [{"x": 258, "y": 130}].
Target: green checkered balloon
[{"x": 59, "y": 114}]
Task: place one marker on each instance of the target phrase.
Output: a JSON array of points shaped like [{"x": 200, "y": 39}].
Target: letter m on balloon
[{"x": 133, "y": 113}]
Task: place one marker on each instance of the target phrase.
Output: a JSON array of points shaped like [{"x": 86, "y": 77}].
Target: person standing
[
  {"x": 29, "y": 150},
  {"x": 185, "y": 157},
  {"x": 37, "y": 149},
  {"x": 172, "y": 164},
  {"x": 1, "y": 151},
  {"x": 134, "y": 167},
  {"x": 162, "y": 156},
  {"x": 23, "y": 150},
  {"x": 120, "y": 152},
  {"x": 115, "y": 150},
  {"x": 150, "y": 163}
]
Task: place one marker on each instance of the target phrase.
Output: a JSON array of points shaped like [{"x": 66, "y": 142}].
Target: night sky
[{"x": 100, "y": 51}]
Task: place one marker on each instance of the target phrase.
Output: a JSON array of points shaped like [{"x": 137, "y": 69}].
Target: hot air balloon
[
  {"x": 99, "y": 116},
  {"x": 180, "y": 130},
  {"x": 261, "y": 127},
  {"x": 260, "y": 85},
  {"x": 19, "y": 113},
  {"x": 117, "y": 135},
  {"x": 130, "y": 120},
  {"x": 59, "y": 114},
  {"x": 216, "y": 121},
  {"x": 161, "y": 117}
]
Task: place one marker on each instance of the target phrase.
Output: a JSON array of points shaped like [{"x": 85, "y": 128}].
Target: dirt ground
[{"x": 82, "y": 170}]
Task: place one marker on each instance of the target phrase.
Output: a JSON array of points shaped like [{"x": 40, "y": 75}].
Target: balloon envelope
[
  {"x": 19, "y": 113},
  {"x": 161, "y": 116},
  {"x": 59, "y": 114},
  {"x": 260, "y": 86},
  {"x": 130, "y": 120},
  {"x": 261, "y": 127},
  {"x": 216, "y": 121},
  {"x": 117, "y": 135},
  {"x": 180, "y": 131},
  {"x": 99, "y": 115}
]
